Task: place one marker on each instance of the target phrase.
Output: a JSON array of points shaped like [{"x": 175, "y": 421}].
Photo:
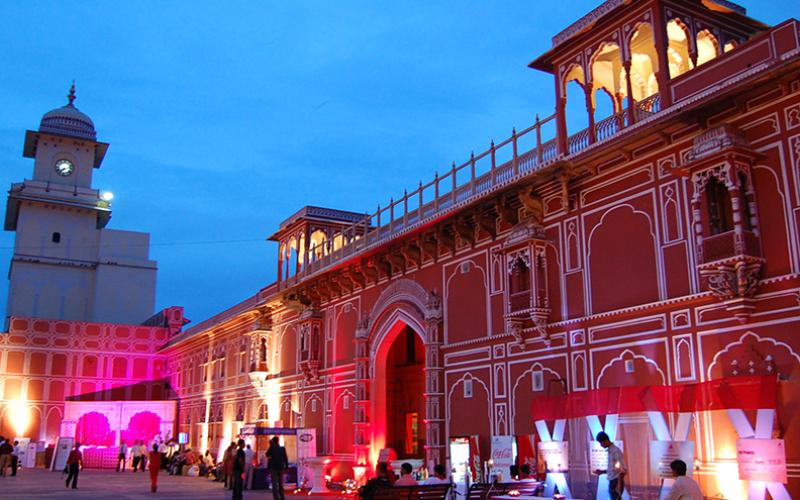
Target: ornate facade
[{"x": 657, "y": 245}]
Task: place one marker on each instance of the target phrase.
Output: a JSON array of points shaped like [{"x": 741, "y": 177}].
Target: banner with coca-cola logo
[{"x": 502, "y": 455}]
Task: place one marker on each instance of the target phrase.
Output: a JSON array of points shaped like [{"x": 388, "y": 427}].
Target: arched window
[
  {"x": 718, "y": 206},
  {"x": 606, "y": 70},
  {"x": 644, "y": 62},
  {"x": 56, "y": 238},
  {"x": 573, "y": 89},
  {"x": 316, "y": 244},
  {"x": 520, "y": 285},
  {"x": 707, "y": 47},
  {"x": 678, "y": 48}
]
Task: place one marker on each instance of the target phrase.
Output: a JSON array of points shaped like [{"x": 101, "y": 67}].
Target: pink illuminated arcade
[{"x": 637, "y": 273}]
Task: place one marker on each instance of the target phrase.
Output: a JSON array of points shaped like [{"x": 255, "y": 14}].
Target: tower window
[{"x": 56, "y": 238}]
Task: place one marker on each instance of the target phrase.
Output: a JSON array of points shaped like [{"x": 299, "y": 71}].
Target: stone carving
[
  {"x": 715, "y": 139},
  {"x": 730, "y": 281}
]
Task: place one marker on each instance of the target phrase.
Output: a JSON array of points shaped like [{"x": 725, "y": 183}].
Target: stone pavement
[{"x": 97, "y": 484}]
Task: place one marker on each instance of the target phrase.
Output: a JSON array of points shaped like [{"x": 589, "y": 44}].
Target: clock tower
[{"x": 66, "y": 264}]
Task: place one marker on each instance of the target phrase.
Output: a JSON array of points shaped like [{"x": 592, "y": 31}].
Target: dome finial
[{"x": 71, "y": 95}]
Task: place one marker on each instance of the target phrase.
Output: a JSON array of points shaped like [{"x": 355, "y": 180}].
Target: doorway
[{"x": 405, "y": 404}]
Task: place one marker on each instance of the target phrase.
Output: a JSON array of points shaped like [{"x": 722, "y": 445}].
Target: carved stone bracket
[
  {"x": 734, "y": 281},
  {"x": 516, "y": 329},
  {"x": 539, "y": 316}
]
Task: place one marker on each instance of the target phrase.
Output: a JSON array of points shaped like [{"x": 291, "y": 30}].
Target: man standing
[
  {"x": 122, "y": 455},
  {"x": 14, "y": 458},
  {"x": 684, "y": 488},
  {"x": 616, "y": 467},
  {"x": 136, "y": 453},
  {"x": 5, "y": 455},
  {"x": 248, "y": 468},
  {"x": 74, "y": 464},
  {"x": 238, "y": 471},
  {"x": 277, "y": 463}
]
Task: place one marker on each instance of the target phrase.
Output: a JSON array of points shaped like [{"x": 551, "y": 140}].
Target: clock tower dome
[{"x": 66, "y": 264}]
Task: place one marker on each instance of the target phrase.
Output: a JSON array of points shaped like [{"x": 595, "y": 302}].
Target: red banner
[{"x": 746, "y": 393}]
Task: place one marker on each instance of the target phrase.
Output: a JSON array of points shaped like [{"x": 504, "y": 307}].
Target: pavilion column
[
  {"x": 561, "y": 117},
  {"x": 434, "y": 384},
  {"x": 361, "y": 435},
  {"x": 662, "y": 46},
  {"x": 588, "y": 89},
  {"x": 629, "y": 90}
]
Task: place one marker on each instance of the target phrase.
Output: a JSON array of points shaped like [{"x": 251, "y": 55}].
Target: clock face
[{"x": 64, "y": 167}]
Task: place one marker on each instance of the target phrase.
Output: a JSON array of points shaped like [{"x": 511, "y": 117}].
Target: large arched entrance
[
  {"x": 399, "y": 377},
  {"x": 399, "y": 386}
]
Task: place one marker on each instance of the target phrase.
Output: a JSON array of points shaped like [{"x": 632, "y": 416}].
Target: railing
[
  {"x": 648, "y": 107},
  {"x": 611, "y": 126},
  {"x": 724, "y": 245},
  {"x": 519, "y": 301},
  {"x": 482, "y": 173},
  {"x": 579, "y": 141}
]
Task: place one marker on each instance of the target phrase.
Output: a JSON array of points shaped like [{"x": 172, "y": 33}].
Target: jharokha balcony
[{"x": 643, "y": 100}]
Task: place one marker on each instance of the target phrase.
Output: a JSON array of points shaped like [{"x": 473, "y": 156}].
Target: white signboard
[
  {"x": 555, "y": 455},
  {"x": 662, "y": 453},
  {"x": 761, "y": 460},
  {"x": 503, "y": 451},
  {"x": 22, "y": 457},
  {"x": 502, "y": 456},
  {"x": 598, "y": 456},
  {"x": 61, "y": 453},
  {"x": 30, "y": 456},
  {"x": 306, "y": 443}
]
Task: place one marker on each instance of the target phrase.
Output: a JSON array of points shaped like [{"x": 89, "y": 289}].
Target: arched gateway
[{"x": 405, "y": 317}]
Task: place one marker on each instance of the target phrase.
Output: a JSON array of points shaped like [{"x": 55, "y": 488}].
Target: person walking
[
  {"x": 74, "y": 464},
  {"x": 684, "y": 487},
  {"x": 238, "y": 471},
  {"x": 155, "y": 466},
  {"x": 616, "y": 467},
  {"x": 277, "y": 463},
  {"x": 248, "y": 467},
  {"x": 136, "y": 453},
  {"x": 122, "y": 455},
  {"x": 14, "y": 458},
  {"x": 227, "y": 465},
  {"x": 145, "y": 450}
]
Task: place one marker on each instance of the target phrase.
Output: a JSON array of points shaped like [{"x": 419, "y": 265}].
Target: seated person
[
  {"x": 381, "y": 480},
  {"x": 525, "y": 473},
  {"x": 514, "y": 471},
  {"x": 406, "y": 479},
  {"x": 439, "y": 476}
]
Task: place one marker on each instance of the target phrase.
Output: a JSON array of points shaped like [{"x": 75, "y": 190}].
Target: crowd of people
[{"x": 9, "y": 456}]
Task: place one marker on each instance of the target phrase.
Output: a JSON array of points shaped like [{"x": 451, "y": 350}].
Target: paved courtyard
[{"x": 38, "y": 483}]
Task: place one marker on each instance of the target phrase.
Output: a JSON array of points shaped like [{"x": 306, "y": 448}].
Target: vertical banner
[
  {"x": 474, "y": 456},
  {"x": 24, "y": 445},
  {"x": 502, "y": 457},
  {"x": 306, "y": 443},
  {"x": 61, "y": 452}
]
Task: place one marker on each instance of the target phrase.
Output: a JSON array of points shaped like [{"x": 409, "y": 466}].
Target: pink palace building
[{"x": 637, "y": 272}]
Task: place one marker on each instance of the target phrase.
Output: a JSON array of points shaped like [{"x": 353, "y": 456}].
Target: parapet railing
[{"x": 461, "y": 184}]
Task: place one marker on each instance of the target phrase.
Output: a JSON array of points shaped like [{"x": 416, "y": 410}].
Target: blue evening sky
[{"x": 226, "y": 117}]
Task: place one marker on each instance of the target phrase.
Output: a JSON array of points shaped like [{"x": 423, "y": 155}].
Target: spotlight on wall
[{"x": 107, "y": 195}]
